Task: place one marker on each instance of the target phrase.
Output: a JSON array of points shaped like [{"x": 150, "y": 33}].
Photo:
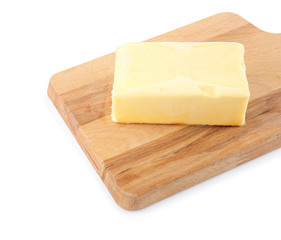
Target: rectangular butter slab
[{"x": 183, "y": 82}]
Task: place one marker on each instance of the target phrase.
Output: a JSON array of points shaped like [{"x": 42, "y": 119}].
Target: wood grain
[{"x": 144, "y": 163}]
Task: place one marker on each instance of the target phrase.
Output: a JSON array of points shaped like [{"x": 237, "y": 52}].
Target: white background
[{"x": 48, "y": 188}]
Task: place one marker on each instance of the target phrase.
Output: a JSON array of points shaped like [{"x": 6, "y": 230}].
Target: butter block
[{"x": 180, "y": 82}]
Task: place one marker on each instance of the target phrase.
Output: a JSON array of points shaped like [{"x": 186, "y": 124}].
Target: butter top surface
[{"x": 213, "y": 68}]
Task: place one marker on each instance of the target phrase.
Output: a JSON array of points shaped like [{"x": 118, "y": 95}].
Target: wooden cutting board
[{"x": 140, "y": 163}]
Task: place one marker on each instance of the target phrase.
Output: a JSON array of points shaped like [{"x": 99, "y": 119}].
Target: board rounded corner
[{"x": 124, "y": 199}]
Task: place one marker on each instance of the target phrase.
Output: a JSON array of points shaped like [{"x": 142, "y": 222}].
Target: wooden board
[{"x": 142, "y": 164}]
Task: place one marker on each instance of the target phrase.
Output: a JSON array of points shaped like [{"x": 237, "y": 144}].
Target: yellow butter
[{"x": 190, "y": 83}]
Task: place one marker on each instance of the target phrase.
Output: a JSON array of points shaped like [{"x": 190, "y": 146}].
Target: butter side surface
[{"x": 189, "y": 83}]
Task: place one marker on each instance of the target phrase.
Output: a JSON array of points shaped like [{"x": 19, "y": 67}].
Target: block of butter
[{"x": 180, "y": 82}]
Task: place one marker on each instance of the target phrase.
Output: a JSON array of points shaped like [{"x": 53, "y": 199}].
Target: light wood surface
[{"x": 140, "y": 163}]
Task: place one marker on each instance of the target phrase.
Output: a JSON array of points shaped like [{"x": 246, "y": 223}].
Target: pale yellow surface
[{"x": 191, "y": 83}]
